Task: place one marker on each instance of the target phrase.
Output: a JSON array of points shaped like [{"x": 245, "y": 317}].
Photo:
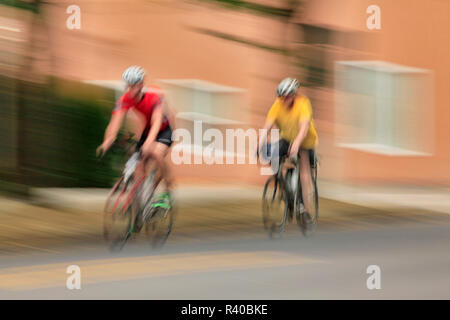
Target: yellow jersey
[{"x": 288, "y": 120}]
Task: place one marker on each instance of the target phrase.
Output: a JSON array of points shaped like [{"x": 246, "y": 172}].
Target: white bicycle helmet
[
  {"x": 287, "y": 87},
  {"x": 133, "y": 75}
]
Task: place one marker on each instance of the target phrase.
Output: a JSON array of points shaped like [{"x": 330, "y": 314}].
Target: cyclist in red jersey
[{"x": 150, "y": 116}]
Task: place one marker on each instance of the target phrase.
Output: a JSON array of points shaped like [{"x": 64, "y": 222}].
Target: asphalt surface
[{"x": 411, "y": 249}]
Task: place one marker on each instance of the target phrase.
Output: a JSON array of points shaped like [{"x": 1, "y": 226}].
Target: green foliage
[
  {"x": 25, "y": 5},
  {"x": 60, "y": 125}
]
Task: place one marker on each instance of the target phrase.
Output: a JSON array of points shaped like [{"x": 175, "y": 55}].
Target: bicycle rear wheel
[
  {"x": 117, "y": 219},
  {"x": 274, "y": 207}
]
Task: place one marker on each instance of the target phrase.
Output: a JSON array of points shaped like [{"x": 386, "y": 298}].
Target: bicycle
[
  {"x": 282, "y": 196},
  {"x": 131, "y": 205}
]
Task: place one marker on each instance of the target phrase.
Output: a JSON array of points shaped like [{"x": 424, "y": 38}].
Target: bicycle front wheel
[
  {"x": 159, "y": 226},
  {"x": 274, "y": 207},
  {"x": 117, "y": 219}
]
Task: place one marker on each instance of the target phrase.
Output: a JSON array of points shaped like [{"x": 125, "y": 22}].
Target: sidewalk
[
  {"x": 94, "y": 199},
  {"x": 61, "y": 217},
  {"x": 389, "y": 197},
  {"x": 386, "y": 197},
  {"x": 56, "y": 218}
]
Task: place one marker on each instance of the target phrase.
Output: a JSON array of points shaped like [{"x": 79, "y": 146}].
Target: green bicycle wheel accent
[
  {"x": 164, "y": 200},
  {"x": 161, "y": 205}
]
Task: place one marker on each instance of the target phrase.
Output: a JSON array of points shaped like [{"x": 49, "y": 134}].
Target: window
[
  {"x": 216, "y": 106},
  {"x": 384, "y": 108},
  {"x": 202, "y": 100}
]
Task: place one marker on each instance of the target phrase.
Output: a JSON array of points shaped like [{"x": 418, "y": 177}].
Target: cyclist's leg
[
  {"x": 279, "y": 148},
  {"x": 142, "y": 165},
  {"x": 159, "y": 153},
  {"x": 283, "y": 150},
  {"x": 163, "y": 143},
  {"x": 305, "y": 179}
]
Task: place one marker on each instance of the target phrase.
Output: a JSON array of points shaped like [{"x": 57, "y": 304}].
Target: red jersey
[{"x": 146, "y": 106}]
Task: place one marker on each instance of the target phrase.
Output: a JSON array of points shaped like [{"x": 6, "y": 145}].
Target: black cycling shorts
[
  {"x": 283, "y": 149},
  {"x": 164, "y": 137}
]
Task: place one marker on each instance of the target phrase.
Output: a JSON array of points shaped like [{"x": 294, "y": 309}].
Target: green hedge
[
  {"x": 25, "y": 5},
  {"x": 60, "y": 125}
]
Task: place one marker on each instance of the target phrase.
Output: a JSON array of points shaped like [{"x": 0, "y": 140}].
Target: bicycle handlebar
[
  {"x": 126, "y": 139},
  {"x": 294, "y": 160}
]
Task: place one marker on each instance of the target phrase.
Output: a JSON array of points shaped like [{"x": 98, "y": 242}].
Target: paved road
[{"x": 413, "y": 255}]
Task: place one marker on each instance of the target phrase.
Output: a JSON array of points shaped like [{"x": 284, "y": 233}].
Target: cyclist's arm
[
  {"x": 302, "y": 132},
  {"x": 170, "y": 113},
  {"x": 270, "y": 120},
  {"x": 304, "y": 121},
  {"x": 267, "y": 127},
  {"x": 269, "y": 124},
  {"x": 113, "y": 128}
]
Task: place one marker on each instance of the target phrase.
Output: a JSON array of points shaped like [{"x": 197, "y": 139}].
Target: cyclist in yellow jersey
[{"x": 292, "y": 114}]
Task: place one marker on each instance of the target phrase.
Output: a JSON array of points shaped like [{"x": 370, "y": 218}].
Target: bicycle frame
[
  {"x": 284, "y": 180},
  {"x": 132, "y": 192},
  {"x": 113, "y": 190},
  {"x": 297, "y": 196},
  {"x": 131, "y": 196}
]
